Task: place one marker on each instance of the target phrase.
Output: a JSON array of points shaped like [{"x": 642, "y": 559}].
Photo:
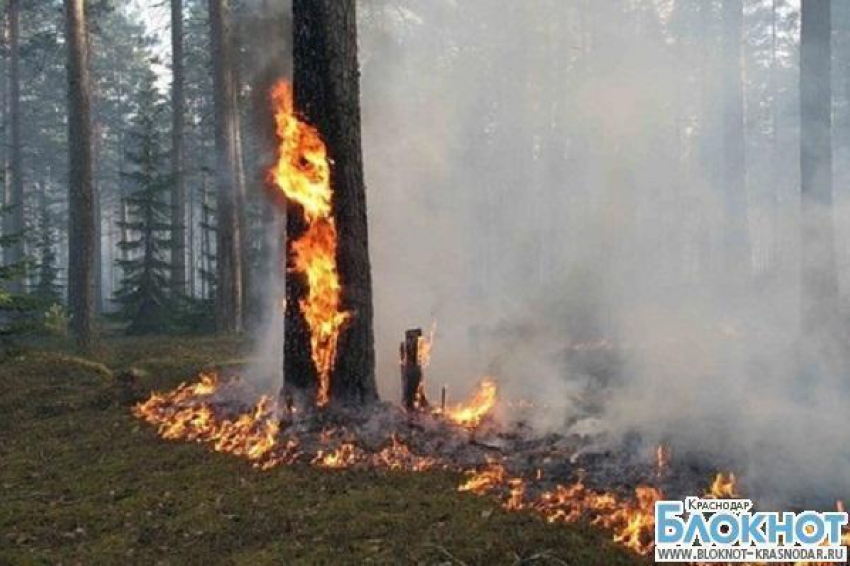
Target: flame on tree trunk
[
  {"x": 327, "y": 96},
  {"x": 302, "y": 173}
]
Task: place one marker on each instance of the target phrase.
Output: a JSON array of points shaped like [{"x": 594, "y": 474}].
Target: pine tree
[
  {"x": 327, "y": 92},
  {"x": 178, "y": 119},
  {"x": 143, "y": 295},
  {"x": 81, "y": 193},
  {"x": 229, "y": 179},
  {"x": 121, "y": 52}
]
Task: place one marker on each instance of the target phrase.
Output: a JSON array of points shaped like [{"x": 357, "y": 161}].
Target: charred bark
[
  {"x": 81, "y": 209},
  {"x": 327, "y": 94},
  {"x": 412, "y": 397}
]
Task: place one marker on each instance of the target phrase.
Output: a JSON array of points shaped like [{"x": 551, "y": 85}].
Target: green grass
[{"x": 82, "y": 481}]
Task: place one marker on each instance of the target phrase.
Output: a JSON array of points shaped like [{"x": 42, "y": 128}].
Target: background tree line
[
  {"x": 176, "y": 157},
  {"x": 162, "y": 204}
]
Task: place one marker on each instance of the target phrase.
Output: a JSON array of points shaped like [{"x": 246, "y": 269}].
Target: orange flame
[
  {"x": 483, "y": 481},
  {"x": 185, "y": 414},
  {"x": 632, "y": 521},
  {"x": 424, "y": 346},
  {"x": 471, "y": 414},
  {"x": 303, "y": 174},
  {"x": 397, "y": 456},
  {"x": 663, "y": 454},
  {"x": 346, "y": 455},
  {"x": 724, "y": 486}
]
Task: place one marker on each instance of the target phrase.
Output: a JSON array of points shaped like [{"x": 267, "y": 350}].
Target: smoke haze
[{"x": 545, "y": 180}]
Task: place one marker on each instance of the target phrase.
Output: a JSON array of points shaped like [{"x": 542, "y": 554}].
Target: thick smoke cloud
[{"x": 545, "y": 180}]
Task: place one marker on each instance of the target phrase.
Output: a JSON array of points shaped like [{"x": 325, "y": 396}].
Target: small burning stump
[{"x": 412, "y": 385}]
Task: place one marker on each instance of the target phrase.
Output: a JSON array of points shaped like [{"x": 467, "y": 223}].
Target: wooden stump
[{"x": 412, "y": 394}]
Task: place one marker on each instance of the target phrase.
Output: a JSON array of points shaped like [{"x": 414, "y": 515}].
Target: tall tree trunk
[
  {"x": 81, "y": 222},
  {"x": 737, "y": 245},
  {"x": 16, "y": 181},
  {"x": 190, "y": 246},
  {"x": 97, "y": 129},
  {"x": 819, "y": 276},
  {"x": 327, "y": 93},
  {"x": 178, "y": 192},
  {"x": 123, "y": 217},
  {"x": 239, "y": 161},
  {"x": 4, "y": 132},
  {"x": 109, "y": 276},
  {"x": 229, "y": 259},
  {"x": 205, "y": 237},
  {"x": 776, "y": 249},
  {"x": 97, "y": 135}
]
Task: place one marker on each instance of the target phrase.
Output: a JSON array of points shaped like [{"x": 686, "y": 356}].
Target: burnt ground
[{"x": 82, "y": 481}]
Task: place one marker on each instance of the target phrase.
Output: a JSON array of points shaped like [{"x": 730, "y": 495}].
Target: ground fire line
[{"x": 269, "y": 436}]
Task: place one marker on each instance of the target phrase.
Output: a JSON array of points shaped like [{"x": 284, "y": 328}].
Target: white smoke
[{"x": 537, "y": 180}]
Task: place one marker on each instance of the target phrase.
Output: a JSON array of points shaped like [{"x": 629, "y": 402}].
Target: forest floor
[{"x": 82, "y": 481}]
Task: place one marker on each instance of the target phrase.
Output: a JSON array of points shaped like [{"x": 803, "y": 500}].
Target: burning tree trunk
[{"x": 327, "y": 96}]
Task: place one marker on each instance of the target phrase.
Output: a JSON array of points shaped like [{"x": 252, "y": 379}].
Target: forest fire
[
  {"x": 228, "y": 229},
  {"x": 505, "y": 464},
  {"x": 186, "y": 413},
  {"x": 303, "y": 174},
  {"x": 472, "y": 413},
  {"x": 197, "y": 413},
  {"x": 631, "y": 521},
  {"x": 424, "y": 346},
  {"x": 724, "y": 486},
  {"x": 345, "y": 456},
  {"x": 397, "y": 456}
]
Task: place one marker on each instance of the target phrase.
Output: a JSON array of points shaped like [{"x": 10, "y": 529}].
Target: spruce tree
[
  {"x": 47, "y": 288},
  {"x": 143, "y": 296}
]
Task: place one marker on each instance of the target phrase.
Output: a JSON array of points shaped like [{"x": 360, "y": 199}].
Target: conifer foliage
[{"x": 144, "y": 298}]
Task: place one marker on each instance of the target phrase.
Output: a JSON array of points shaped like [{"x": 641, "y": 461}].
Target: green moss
[{"x": 81, "y": 481}]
